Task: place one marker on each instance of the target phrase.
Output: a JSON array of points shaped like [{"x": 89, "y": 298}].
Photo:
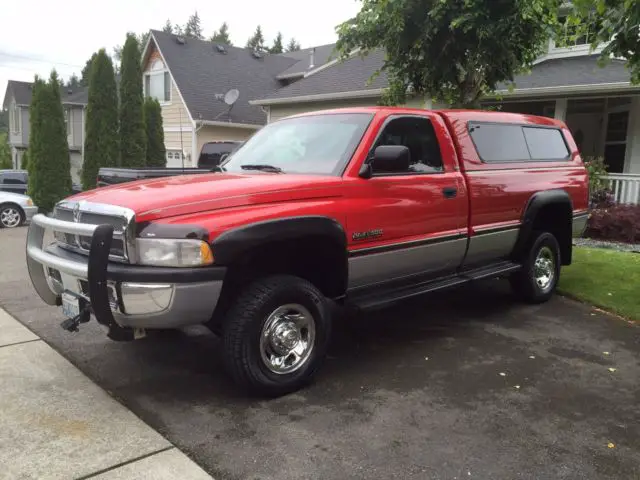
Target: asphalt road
[{"x": 468, "y": 384}]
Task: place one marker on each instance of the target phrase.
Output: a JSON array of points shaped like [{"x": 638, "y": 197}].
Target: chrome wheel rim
[
  {"x": 287, "y": 338},
  {"x": 10, "y": 217},
  {"x": 544, "y": 268}
]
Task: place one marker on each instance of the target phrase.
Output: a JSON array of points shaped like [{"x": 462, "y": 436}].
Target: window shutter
[
  {"x": 167, "y": 87},
  {"x": 147, "y": 85}
]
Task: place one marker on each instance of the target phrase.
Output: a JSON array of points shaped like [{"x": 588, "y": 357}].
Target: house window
[
  {"x": 575, "y": 35},
  {"x": 67, "y": 121},
  {"x": 615, "y": 146},
  {"x": 14, "y": 118},
  {"x": 157, "y": 82}
]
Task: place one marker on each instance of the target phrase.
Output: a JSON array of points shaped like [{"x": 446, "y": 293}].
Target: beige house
[{"x": 190, "y": 77}]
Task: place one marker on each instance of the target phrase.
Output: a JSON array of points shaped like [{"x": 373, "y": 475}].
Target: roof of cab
[{"x": 451, "y": 114}]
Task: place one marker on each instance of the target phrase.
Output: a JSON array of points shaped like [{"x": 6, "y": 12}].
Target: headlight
[
  {"x": 162, "y": 252},
  {"x": 29, "y": 202}
]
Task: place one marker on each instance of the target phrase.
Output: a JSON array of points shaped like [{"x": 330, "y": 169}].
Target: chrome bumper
[
  {"x": 166, "y": 298},
  {"x": 29, "y": 212}
]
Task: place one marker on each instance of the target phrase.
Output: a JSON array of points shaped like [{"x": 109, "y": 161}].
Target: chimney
[{"x": 312, "y": 55}]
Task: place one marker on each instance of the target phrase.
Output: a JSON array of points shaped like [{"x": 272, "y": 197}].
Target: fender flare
[
  {"x": 535, "y": 203},
  {"x": 233, "y": 244}
]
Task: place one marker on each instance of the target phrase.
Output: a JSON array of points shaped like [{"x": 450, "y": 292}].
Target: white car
[{"x": 15, "y": 209}]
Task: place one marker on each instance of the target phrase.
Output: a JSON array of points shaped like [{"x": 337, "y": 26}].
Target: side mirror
[{"x": 388, "y": 159}]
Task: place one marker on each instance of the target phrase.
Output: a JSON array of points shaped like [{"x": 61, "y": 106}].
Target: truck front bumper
[{"x": 120, "y": 295}]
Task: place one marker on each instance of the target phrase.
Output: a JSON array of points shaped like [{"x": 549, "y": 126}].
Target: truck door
[{"x": 411, "y": 222}]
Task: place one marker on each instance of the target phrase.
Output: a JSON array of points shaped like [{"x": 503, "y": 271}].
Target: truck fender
[
  {"x": 559, "y": 199},
  {"x": 232, "y": 244}
]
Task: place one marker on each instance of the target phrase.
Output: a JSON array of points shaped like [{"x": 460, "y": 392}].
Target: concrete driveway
[{"x": 464, "y": 385}]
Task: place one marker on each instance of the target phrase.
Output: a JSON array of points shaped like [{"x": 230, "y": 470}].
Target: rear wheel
[
  {"x": 11, "y": 216},
  {"x": 276, "y": 334},
  {"x": 540, "y": 273}
]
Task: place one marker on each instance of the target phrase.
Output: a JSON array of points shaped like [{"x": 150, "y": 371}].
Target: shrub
[
  {"x": 617, "y": 223},
  {"x": 598, "y": 186}
]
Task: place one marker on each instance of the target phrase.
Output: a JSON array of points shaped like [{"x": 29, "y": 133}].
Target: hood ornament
[{"x": 76, "y": 212}]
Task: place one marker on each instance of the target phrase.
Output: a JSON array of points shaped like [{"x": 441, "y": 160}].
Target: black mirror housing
[{"x": 391, "y": 159}]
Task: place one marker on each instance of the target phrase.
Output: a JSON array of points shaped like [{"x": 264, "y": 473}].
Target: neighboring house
[
  {"x": 17, "y": 100},
  {"x": 189, "y": 77},
  {"x": 599, "y": 105}
]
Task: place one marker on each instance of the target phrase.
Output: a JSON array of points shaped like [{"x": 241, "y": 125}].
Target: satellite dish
[{"x": 231, "y": 96}]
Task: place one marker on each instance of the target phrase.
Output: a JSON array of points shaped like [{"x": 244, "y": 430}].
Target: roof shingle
[
  {"x": 201, "y": 72},
  {"x": 22, "y": 92}
]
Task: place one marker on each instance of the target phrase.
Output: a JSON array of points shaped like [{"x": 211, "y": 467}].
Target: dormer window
[
  {"x": 576, "y": 35},
  {"x": 157, "y": 82}
]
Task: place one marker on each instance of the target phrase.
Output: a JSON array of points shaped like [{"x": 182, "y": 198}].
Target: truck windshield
[{"x": 315, "y": 144}]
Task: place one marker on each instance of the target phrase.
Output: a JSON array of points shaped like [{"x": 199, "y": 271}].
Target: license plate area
[{"x": 70, "y": 305}]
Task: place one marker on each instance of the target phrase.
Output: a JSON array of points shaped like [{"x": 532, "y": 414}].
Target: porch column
[
  {"x": 561, "y": 109},
  {"x": 632, "y": 156}
]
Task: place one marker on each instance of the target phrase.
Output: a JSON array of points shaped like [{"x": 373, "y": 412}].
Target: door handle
[{"x": 449, "y": 192}]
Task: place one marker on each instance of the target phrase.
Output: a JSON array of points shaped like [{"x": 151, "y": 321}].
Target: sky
[{"x": 39, "y": 35}]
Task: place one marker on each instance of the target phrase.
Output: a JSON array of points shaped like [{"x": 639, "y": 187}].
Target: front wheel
[
  {"x": 540, "y": 273},
  {"x": 276, "y": 334},
  {"x": 11, "y": 216}
]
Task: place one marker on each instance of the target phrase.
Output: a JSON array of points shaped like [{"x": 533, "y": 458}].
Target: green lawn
[{"x": 605, "y": 278}]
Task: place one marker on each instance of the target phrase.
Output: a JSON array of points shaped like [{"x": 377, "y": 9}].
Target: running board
[{"x": 386, "y": 295}]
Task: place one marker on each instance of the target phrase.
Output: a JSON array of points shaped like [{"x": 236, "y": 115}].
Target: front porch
[{"x": 606, "y": 126}]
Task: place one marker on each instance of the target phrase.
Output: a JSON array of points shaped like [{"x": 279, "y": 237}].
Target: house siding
[
  {"x": 21, "y": 138},
  {"x": 216, "y": 134},
  {"x": 76, "y": 128}
]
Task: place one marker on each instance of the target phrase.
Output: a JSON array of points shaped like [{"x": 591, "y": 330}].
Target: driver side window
[{"x": 418, "y": 135}]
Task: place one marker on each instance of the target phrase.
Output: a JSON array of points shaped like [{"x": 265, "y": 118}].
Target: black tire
[
  {"x": 246, "y": 342},
  {"x": 529, "y": 284},
  {"x": 5, "y": 207}
]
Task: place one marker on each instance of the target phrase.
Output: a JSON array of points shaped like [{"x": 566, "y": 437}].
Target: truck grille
[{"x": 82, "y": 244}]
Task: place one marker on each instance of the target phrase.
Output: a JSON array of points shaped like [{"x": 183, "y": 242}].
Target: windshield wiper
[{"x": 262, "y": 167}]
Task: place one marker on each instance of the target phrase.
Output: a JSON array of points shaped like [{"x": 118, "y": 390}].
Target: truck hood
[{"x": 181, "y": 195}]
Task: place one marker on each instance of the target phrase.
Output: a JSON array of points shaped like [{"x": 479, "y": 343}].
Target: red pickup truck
[{"x": 360, "y": 207}]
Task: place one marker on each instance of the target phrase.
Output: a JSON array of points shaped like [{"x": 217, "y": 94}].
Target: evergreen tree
[
  {"x": 5, "y": 153},
  {"x": 168, "y": 27},
  {"x": 193, "y": 29},
  {"x": 24, "y": 162},
  {"x": 101, "y": 137},
  {"x": 277, "y": 44},
  {"x": 222, "y": 35},
  {"x": 132, "y": 134},
  {"x": 73, "y": 82},
  {"x": 256, "y": 42},
  {"x": 49, "y": 166},
  {"x": 177, "y": 30},
  {"x": 156, "y": 152},
  {"x": 86, "y": 71},
  {"x": 293, "y": 46}
]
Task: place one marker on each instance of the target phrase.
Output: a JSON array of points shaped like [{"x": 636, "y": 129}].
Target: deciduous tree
[
  {"x": 453, "y": 51},
  {"x": 619, "y": 25},
  {"x": 101, "y": 139}
]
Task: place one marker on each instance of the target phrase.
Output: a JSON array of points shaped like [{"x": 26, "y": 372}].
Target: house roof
[
  {"x": 350, "y": 78},
  {"x": 571, "y": 72},
  {"x": 321, "y": 55},
  {"x": 22, "y": 92},
  {"x": 201, "y": 72},
  {"x": 352, "y": 75}
]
